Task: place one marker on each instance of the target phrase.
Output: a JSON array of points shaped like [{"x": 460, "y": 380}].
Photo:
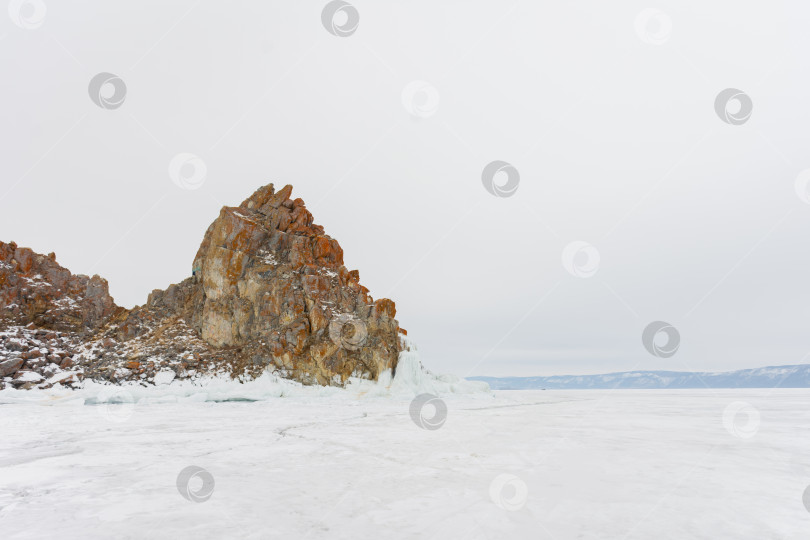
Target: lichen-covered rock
[
  {"x": 35, "y": 289},
  {"x": 268, "y": 291},
  {"x": 270, "y": 288},
  {"x": 270, "y": 276}
]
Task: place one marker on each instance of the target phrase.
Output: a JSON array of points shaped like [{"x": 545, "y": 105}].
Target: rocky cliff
[{"x": 268, "y": 291}]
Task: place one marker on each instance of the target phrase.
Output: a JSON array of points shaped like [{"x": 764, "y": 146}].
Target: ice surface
[{"x": 103, "y": 462}]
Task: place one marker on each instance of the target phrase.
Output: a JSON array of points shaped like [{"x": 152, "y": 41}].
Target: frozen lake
[{"x": 515, "y": 464}]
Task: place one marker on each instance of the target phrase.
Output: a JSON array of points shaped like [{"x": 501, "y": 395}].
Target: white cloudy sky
[{"x": 697, "y": 222}]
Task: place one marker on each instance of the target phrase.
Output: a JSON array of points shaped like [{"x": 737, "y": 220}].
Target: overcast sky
[{"x": 605, "y": 114}]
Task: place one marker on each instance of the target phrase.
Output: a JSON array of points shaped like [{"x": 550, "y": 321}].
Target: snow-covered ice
[{"x": 329, "y": 463}]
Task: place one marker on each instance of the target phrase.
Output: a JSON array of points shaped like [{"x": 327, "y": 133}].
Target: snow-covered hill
[{"x": 797, "y": 376}]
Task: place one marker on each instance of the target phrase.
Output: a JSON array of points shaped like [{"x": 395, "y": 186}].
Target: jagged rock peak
[
  {"x": 268, "y": 273},
  {"x": 293, "y": 215}
]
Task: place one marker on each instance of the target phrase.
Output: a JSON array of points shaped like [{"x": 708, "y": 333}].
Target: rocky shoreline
[{"x": 268, "y": 292}]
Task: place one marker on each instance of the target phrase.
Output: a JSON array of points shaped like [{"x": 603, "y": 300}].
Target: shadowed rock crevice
[{"x": 268, "y": 290}]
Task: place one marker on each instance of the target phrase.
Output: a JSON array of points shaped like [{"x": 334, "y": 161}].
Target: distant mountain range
[{"x": 766, "y": 377}]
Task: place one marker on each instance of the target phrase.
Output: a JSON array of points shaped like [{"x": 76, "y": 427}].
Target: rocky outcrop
[
  {"x": 35, "y": 289},
  {"x": 268, "y": 291},
  {"x": 46, "y": 313}
]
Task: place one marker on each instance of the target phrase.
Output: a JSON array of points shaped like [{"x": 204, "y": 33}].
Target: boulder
[{"x": 9, "y": 367}]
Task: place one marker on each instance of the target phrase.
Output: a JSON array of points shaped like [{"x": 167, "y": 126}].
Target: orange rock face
[
  {"x": 35, "y": 289},
  {"x": 270, "y": 281}
]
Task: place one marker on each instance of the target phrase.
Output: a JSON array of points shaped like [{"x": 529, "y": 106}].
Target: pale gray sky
[{"x": 607, "y": 112}]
